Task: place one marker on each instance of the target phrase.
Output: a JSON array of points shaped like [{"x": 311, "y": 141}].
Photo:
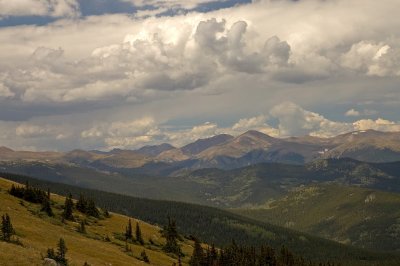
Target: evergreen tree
[
  {"x": 51, "y": 254},
  {"x": 213, "y": 253},
  {"x": 106, "y": 214},
  {"x": 197, "y": 258},
  {"x": 81, "y": 204},
  {"x": 68, "y": 207},
  {"x": 46, "y": 207},
  {"x": 138, "y": 234},
  {"x": 82, "y": 227},
  {"x": 144, "y": 257},
  {"x": 179, "y": 260},
  {"x": 61, "y": 252},
  {"x": 171, "y": 235},
  {"x": 128, "y": 231},
  {"x": 286, "y": 257},
  {"x": 7, "y": 229},
  {"x": 91, "y": 209},
  {"x": 60, "y": 255}
]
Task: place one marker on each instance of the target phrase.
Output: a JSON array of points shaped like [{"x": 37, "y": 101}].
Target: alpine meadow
[{"x": 199, "y": 132}]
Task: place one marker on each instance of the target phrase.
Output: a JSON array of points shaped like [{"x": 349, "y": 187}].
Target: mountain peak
[
  {"x": 154, "y": 150},
  {"x": 4, "y": 149},
  {"x": 256, "y": 135},
  {"x": 203, "y": 144}
]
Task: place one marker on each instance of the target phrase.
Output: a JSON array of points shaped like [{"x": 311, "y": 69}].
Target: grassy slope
[
  {"x": 352, "y": 215},
  {"x": 38, "y": 232},
  {"x": 220, "y": 227}
]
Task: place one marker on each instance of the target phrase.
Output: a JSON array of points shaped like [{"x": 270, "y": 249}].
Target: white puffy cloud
[
  {"x": 52, "y": 8},
  {"x": 194, "y": 51},
  {"x": 295, "y": 121},
  {"x": 124, "y": 134},
  {"x": 364, "y": 112},
  {"x": 378, "y": 124},
  {"x": 234, "y": 62},
  {"x": 258, "y": 123},
  {"x": 352, "y": 112},
  {"x": 194, "y": 56}
]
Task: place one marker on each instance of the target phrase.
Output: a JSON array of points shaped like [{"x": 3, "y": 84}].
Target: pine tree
[
  {"x": 197, "y": 258},
  {"x": 138, "y": 234},
  {"x": 128, "y": 231},
  {"x": 81, "y": 204},
  {"x": 144, "y": 257},
  {"x": 171, "y": 236},
  {"x": 59, "y": 256},
  {"x": 82, "y": 227},
  {"x": 51, "y": 254},
  {"x": 61, "y": 252},
  {"x": 46, "y": 207},
  {"x": 286, "y": 257},
  {"x": 7, "y": 229},
  {"x": 68, "y": 207},
  {"x": 179, "y": 260},
  {"x": 91, "y": 209}
]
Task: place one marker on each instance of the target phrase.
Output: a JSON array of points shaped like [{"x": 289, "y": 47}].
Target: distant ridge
[{"x": 227, "y": 152}]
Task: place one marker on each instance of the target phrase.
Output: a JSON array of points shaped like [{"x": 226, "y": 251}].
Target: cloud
[
  {"x": 171, "y": 4},
  {"x": 28, "y": 130},
  {"x": 352, "y": 112},
  {"x": 290, "y": 118},
  {"x": 365, "y": 112},
  {"x": 51, "y": 8},
  {"x": 167, "y": 58},
  {"x": 5, "y": 91},
  {"x": 295, "y": 121},
  {"x": 124, "y": 134},
  {"x": 378, "y": 124},
  {"x": 258, "y": 123},
  {"x": 235, "y": 62},
  {"x": 192, "y": 52}
]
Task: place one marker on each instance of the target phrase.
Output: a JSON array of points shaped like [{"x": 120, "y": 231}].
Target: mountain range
[{"x": 228, "y": 152}]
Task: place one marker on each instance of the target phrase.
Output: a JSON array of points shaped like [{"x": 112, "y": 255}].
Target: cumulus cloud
[
  {"x": 365, "y": 112},
  {"x": 52, "y": 8},
  {"x": 124, "y": 134},
  {"x": 352, "y": 112},
  {"x": 295, "y": 121},
  {"x": 199, "y": 50},
  {"x": 378, "y": 124},
  {"x": 227, "y": 63},
  {"x": 148, "y": 61},
  {"x": 258, "y": 123}
]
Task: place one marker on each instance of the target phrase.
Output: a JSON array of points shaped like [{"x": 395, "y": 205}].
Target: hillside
[
  {"x": 361, "y": 217},
  {"x": 248, "y": 186},
  {"x": 217, "y": 226},
  {"x": 37, "y": 232}
]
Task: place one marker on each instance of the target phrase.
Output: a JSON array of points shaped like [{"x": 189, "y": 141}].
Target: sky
[{"x": 105, "y": 74}]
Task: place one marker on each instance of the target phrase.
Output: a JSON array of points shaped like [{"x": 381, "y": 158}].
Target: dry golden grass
[{"x": 37, "y": 232}]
